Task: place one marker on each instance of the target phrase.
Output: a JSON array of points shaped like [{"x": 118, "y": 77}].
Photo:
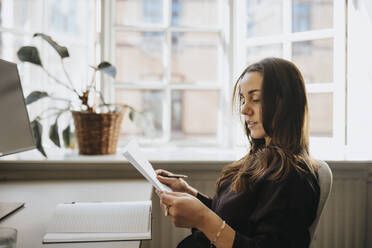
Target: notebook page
[
  {"x": 105, "y": 217},
  {"x": 138, "y": 160}
]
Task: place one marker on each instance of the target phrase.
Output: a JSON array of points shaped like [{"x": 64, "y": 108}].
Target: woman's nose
[{"x": 246, "y": 110}]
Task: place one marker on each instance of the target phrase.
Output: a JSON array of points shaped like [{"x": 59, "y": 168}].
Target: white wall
[
  {"x": 359, "y": 79},
  {"x": 360, "y": 90}
]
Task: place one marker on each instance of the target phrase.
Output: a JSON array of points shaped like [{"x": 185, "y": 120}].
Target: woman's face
[{"x": 250, "y": 103}]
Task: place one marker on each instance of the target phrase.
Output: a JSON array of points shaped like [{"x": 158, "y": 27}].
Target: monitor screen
[{"x": 15, "y": 130}]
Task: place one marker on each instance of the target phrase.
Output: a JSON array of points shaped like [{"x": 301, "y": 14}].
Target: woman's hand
[
  {"x": 184, "y": 210},
  {"x": 176, "y": 184}
]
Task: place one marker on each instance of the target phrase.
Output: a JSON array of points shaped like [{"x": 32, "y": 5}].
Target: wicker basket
[{"x": 97, "y": 133}]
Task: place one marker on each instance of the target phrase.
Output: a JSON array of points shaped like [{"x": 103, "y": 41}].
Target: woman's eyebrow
[
  {"x": 249, "y": 92},
  {"x": 253, "y": 91}
]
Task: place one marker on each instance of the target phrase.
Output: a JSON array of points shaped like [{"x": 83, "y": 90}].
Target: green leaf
[
  {"x": 53, "y": 134},
  {"x": 37, "y": 130},
  {"x": 66, "y": 136},
  {"x": 61, "y": 50},
  {"x": 107, "y": 68},
  {"x": 131, "y": 115},
  {"x": 29, "y": 54},
  {"x": 35, "y": 95}
]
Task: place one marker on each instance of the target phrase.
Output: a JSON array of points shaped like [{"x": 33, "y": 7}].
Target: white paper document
[
  {"x": 134, "y": 155},
  {"x": 99, "y": 221}
]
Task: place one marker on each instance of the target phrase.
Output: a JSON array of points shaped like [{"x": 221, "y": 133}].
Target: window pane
[
  {"x": 310, "y": 15},
  {"x": 149, "y": 103},
  {"x": 194, "y": 113},
  {"x": 71, "y": 19},
  {"x": 264, "y": 17},
  {"x": 136, "y": 12},
  {"x": 321, "y": 114},
  {"x": 184, "y": 13},
  {"x": 21, "y": 14},
  {"x": 77, "y": 67},
  {"x": 315, "y": 60},
  {"x": 31, "y": 76},
  {"x": 194, "y": 57},
  {"x": 139, "y": 56},
  {"x": 256, "y": 53},
  {"x": 9, "y": 45}
]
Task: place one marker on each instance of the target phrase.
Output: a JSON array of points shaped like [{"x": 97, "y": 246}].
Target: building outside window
[{"x": 176, "y": 84}]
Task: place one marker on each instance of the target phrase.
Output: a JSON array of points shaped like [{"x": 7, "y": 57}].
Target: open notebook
[{"x": 99, "y": 221}]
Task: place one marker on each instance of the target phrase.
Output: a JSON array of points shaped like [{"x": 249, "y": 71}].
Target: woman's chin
[{"x": 257, "y": 136}]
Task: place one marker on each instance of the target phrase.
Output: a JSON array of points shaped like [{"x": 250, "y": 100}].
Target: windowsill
[
  {"x": 175, "y": 155},
  {"x": 154, "y": 155},
  {"x": 168, "y": 155},
  {"x": 67, "y": 164}
]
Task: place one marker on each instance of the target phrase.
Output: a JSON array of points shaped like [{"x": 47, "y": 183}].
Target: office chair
[{"x": 325, "y": 184}]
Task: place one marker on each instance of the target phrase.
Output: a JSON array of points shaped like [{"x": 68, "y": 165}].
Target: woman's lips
[{"x": 251, "y": 124}]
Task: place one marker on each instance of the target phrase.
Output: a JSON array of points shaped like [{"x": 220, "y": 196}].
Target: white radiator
[{"x": 343, "y": 222}]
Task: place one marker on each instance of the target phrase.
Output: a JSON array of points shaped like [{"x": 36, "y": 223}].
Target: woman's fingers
[
  {"x": 165, "y": 209},
  {"x": 176, "y": 184},
  {"x": 167, "y": 180},
  {"x": 162, "y": 172},
  {"x": 163, "y": 206},
  {"x": 169, "y": 198},
  {"x": 176, "y": 194}
]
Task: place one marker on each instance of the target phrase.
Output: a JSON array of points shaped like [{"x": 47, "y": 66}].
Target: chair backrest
[{"x": 325, "y": 185}]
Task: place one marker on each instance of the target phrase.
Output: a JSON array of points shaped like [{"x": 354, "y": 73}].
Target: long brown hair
[{"x": 285, "y": 121}]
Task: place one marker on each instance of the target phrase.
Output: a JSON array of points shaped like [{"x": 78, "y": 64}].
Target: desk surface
[{"x": 42, "y": 196}]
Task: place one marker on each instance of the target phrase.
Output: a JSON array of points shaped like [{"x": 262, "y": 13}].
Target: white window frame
[
  {"x": 229, "y": 131},
  {"x": 108, "y": 51},
  {"x": 62, "y": 40},
  {"x": 27, "y": 35},
  {"x": 317, "y": 144}
]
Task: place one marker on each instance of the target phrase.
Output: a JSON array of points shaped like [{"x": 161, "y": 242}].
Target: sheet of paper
[
  {"x": 101, "y": 217},
  {"x": 134, "y": 155}
]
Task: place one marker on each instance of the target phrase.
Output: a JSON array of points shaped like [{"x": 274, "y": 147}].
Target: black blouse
[{"x": 268, "y": 214}]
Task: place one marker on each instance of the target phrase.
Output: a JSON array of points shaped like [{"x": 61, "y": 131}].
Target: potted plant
[{"x": 97, "y": 124}]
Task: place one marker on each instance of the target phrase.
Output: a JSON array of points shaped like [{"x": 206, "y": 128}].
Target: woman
[{"x": 269, "y": 197}]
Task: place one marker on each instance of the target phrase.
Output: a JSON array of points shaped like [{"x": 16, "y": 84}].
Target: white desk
[{"x": 42, "y": 196}]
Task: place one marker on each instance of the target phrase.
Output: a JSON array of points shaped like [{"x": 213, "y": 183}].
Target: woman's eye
[{"x": 256, "y": 100}]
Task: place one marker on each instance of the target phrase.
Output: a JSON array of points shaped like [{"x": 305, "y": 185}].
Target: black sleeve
[
  {"x": 204, "y": 199},
  {"x": 284, "y": 212}
]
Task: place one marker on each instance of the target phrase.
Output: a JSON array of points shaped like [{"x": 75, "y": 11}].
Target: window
[
  {"x": 177, "y": 67},
  {"x": 301, "y": 18},
  {"x": 182, "y": 85},
  {"x": 312, "y": 35},
  {"x": 169, "y": 62},
  {"x": 71, "y": 23}
]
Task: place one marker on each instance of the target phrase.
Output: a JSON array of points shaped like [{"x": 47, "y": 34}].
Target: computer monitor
[{"x": 15, "y": 130}]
